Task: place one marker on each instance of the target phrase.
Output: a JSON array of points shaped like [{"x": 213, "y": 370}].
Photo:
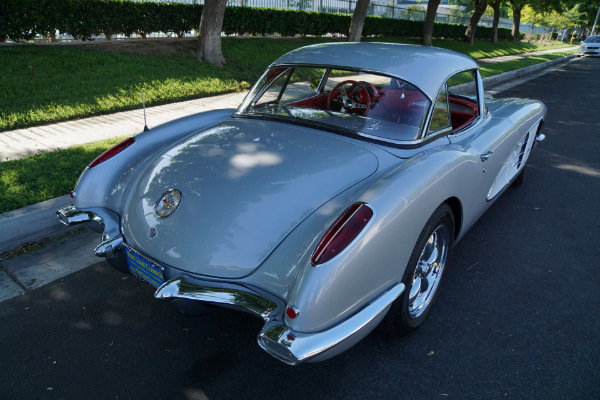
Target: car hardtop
[
  {"x": 592, "y": 39},
  {"x": 425, "y": 67}
]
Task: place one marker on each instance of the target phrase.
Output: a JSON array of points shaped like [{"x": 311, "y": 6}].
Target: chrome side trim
[
  {"x": 182, "y": 289},
  {"x": 276, "y": 338},
  {"x": 69, "y": 215}
]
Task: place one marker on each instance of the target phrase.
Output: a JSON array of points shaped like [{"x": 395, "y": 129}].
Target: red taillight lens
[
  {"x": 113, "y": 151},
  {"x": 292, "y": 312},
  {"x": 343, "y": 231}
]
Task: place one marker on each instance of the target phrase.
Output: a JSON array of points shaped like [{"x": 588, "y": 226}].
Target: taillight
[
  {"x": 292, "y": 312},
  {"x": 343, "y": 231},
  {"x": 113, "y": 151}
]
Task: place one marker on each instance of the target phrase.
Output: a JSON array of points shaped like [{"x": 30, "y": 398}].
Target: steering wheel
[{"x": 355, "y": 99}]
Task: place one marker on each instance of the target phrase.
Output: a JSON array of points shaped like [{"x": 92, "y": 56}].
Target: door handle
[{"x": 486, "y": 155}]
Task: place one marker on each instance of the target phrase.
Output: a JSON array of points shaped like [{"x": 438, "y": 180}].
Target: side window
[
  {"x": 277, "y": 79},
  {"x": 441, "y": 112},
  {"x": 462, "y": 95},
  {"x": 463, "y": 84}
]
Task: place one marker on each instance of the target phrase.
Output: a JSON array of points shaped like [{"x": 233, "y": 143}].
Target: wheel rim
[{"x": 428, "y": 272}]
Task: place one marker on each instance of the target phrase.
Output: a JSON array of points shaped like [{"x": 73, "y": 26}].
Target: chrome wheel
[{"x": 428, "y": 272}]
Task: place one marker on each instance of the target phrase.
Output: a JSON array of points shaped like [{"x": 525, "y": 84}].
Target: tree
[
  {"x": 358, "y": 20},
  {"x": 496, "y": 7},
  {"x": 432, "y": 7},
  {"x": 566, "y": 19},
  {"x": 209, "y": 33},
  {"x": 534, "y": 18},
  {"x": 517, "y": 7},
  {"x": 480, "y": 6}
]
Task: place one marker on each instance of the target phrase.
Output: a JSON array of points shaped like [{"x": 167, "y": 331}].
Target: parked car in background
[
  {"x": 590, "y": 46},
  {"x": 327, "y": 204}
]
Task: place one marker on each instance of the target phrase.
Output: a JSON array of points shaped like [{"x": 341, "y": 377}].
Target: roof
[{"x": 426, "y": 67}]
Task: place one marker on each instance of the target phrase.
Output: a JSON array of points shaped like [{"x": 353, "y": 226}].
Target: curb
[
  {"x": 32, "y": 223},
  {"x": 492, "y": 81},
  {"x": 38, "y": 221}
]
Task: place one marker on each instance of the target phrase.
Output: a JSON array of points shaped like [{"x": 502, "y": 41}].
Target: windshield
[
  {"x": 592, "y": 39},
  {"x": 350, "y": 100}
]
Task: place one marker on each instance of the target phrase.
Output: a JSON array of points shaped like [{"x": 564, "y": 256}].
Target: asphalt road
[{"x": 518, "y": 316}]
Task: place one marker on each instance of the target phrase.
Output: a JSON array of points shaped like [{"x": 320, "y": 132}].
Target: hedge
[{"x": 24, "y": 19}]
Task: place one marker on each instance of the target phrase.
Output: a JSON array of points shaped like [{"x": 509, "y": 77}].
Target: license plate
[{"x": 144, "y": 269}]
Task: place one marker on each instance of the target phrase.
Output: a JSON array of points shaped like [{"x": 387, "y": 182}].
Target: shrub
[{"x": 23, "y": 19}]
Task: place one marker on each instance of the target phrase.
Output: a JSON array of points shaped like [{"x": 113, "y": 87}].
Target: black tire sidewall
[
  {"x": 441, "y": 216},
  {"x": 397, "y": 321}
]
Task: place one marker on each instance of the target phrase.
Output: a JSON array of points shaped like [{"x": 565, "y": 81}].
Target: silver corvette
[{"x": 327, "y": 204}]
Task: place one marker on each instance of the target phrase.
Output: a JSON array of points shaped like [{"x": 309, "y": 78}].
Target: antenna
[{"x": 144, "y": 105}]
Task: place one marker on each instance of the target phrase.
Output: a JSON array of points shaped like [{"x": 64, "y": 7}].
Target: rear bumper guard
[{"x": 276, "y": 338}]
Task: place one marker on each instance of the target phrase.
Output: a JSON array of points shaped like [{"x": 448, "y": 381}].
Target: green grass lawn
[
  {"x": 44, "y": 176},
  {"x": 498, "y": 68},
  {"x": 69, "y": 83},
  {"x": 46, "y": 84}
]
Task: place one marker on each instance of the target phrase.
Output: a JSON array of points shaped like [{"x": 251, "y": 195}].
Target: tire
[{"x": 423, "y": 274}]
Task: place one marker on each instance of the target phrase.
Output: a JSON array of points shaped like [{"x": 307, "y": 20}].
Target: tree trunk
[
  {"x": 551, "y": 34},
  {"x": 209, "y": 33},
  {"x": 516, "y": 23},
  {"x": 496, "y": 8},
  {"x": 53, "y": 36},
  {"x": 480, "y": 6},
  {"x": 531, "y": 33},
  {"x": 358, "y": 20},
  {"x": 432, "y": 7},
  {"x": 543, "y": 34}
]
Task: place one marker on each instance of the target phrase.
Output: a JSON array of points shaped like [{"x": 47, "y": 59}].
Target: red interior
[
  {"x": 398, "y": 105},
  {"x": 319, "y": 102},
  {"x": 404, "y": 106},
  {"x": 462, "y": 117}
]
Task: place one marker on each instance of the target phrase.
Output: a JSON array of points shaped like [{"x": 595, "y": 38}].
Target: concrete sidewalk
[
  {"x": 24, "y": 142},
  {"x": 38, "y": 221}
]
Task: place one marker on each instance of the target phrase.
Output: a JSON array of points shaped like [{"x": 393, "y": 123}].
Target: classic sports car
[
  {"x": 327, "y": 204},
  {"x": 590, "y": 46}
]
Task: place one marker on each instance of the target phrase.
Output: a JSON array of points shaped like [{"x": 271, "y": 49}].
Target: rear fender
[
  {"x": 402, "y": 202},
  {"x": 103, "y": 186}
]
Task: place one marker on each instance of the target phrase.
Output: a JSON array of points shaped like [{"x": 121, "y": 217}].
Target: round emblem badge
[{"x": 167, "y": 203}]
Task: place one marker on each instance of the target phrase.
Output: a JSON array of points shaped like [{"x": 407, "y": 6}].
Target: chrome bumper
[
  {"x": 276, "y": 338},
  {"x": 69, "y": 215},
  {"x": 102, "y": 221}
]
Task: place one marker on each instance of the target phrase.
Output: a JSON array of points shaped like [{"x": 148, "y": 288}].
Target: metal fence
[{"x": 398, "y": 9}]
